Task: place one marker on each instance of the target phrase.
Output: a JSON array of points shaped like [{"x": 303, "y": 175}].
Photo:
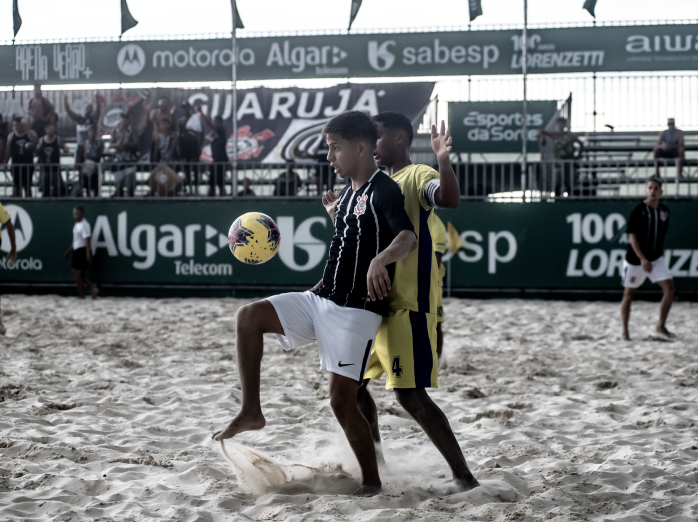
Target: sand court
[{"x": 107, "y": 408}]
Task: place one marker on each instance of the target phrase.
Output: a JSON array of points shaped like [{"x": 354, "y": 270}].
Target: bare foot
[
  {"x": 662, "y": 330},
  {"x": 625, "y": 336},
  {"x": 2, "y": 329},
  {"x": 243, "y": 422},
  {"x": 460, "y": 485},
  {"x": 367, "y": 490},
  {"x": 95, "y": 292}
]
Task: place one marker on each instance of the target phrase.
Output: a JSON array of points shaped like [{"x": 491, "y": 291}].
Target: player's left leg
[
  {"x": 367, "y": 407},
  {"x": 432, "y": 420},
  {"x": 343, "y": 392},
  {"x": 664, "y": 307}
]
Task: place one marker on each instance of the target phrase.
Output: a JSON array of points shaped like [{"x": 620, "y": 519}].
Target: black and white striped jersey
[
  {"x": 366, "y": 222},
  {"x": 650, "y": 226}
]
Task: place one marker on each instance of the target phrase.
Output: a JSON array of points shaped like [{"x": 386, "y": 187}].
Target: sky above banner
[
  {"x": 79, "y": 19},
  {"x": 568, "y": 50}
]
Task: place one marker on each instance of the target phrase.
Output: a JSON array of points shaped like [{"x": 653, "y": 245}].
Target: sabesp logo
[
  {"x": 131, "y": 59},
  {"x": 23, "y": 228},
  {"x": 302, "y": 238},
  {"x": 380, "y": 58}
]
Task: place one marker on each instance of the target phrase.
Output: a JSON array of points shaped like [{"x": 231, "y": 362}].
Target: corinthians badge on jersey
[
  {"x": 663, "y": 215},
  {"x": 360, "y": 207}
]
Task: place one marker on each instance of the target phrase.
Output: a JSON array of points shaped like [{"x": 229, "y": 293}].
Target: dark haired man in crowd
[
  {"x": 406, "y": 344},
  {"x": 125, "y": 141},
  {"x": 89, "y": 117},
  {"x": 647, "y": 229},
  {"x": 20, "y": 149},
  {"x": 92, "y": 150},
  {"x": 190, "y": 136},
  {"x": 41, "y": 112},
  {"x": 343, "y": 312},
  {"x": 219, "y": 155},
  {"x": 48, "y": 151},
  {"x": 289, "y": 182},
  {"x": 81, "y": 247}
]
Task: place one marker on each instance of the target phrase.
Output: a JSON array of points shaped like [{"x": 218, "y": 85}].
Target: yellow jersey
[
  {"x": 415, "y": 284},
  {"x": 438, "y": 236},
  {"x": 4, "y": 216}
]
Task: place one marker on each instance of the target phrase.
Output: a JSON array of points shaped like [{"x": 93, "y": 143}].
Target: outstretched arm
[
  {"x": 448, "y": 194},
  {"x": 377, "y": 279}
]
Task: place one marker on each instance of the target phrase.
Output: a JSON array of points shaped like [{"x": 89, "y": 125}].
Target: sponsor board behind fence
[
  {"x": 566, "y": 245},
  {"x": 573, "y": 49},
  {"x": 496, "y": 126}
]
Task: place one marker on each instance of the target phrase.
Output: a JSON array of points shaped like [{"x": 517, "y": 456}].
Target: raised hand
[
  {"x": 329, "y": 201},
  {"x": 441, "y": 142}
]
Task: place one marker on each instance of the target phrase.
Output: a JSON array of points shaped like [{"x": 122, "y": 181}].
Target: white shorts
[
  {"x": 344, "y": 335},
  {"x": 635, "y": 275}
]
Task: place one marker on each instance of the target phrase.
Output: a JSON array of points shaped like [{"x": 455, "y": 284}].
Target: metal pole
[
  {"x": 524, "y": 125},
  {"x": 235, "y": 101}
]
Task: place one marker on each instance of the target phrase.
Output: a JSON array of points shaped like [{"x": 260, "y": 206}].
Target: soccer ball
[{"x": 254, "y": 238}]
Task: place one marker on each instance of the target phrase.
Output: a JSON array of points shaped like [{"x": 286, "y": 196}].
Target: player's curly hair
[
  {"x": 353, "y": 125},
  {"x": 393, "y": 119}
]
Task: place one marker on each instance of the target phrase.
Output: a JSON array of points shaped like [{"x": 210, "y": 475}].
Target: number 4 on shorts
[{"x": 397, "y": 369}]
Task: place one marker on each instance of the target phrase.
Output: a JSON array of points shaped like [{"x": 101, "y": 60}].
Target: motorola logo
[
  {"x": 131, "y": 59},
  {"x": 24, "y": 228},
  {"x": 380, "y": 58}
]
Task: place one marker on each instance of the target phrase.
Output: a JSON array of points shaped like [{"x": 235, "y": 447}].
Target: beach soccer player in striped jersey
[
  {"x": 343, "y": 312},
  {"x": 406, "y": 344}
]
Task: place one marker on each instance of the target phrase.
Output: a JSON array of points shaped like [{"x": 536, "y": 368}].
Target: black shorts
[
  {"x": 217, "y": 174},
  {"x": 667, "y": 153},
  {"x": 79, "y": 261},
  {"x": 22, "y": 175}
]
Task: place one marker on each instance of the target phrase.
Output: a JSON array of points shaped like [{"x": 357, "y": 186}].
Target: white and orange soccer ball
[{"x": 254, "y": 238}]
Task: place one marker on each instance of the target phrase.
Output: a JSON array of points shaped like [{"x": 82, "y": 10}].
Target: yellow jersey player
[
  {"x": 405, "y": 347},
  {"x": 438, "y": 236},
  {"x": 6, "y": 222}
]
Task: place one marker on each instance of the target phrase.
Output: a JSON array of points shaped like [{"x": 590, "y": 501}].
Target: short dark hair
[
  {"x": 81, "y": 209},
  {"x": 163, "y": 98},
  {"x": 352, "y": 125},
  {"x": 656, "y": 179},
  {"x": 392, "y": 119},
  {"x": 125, "y": 114},
  {"x": 16, "y": 118}
]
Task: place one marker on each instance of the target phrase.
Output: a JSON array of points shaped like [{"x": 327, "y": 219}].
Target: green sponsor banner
[
  {"x": 573, "y": 49},
  {"x": 567, "y": 245},
  {"x": 496, "y": 126}
]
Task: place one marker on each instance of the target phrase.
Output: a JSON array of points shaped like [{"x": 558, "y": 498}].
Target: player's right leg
[{"x": 253, "y": 321}]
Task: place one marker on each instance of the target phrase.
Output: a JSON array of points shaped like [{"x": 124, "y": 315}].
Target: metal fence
[{"x": 505, "y": 181}]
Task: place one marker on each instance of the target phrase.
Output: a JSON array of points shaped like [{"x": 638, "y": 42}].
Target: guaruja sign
[{"x": 574, "y": 49}]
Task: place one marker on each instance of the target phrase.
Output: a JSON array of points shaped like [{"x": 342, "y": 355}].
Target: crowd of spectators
[{"x": 173, "y": 163}]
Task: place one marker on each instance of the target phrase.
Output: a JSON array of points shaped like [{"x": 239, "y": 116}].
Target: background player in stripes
[
  {"x": 6, "y": 222},
  {"x": 647, "y": 229},
  {"x": 372, "y": 231}
]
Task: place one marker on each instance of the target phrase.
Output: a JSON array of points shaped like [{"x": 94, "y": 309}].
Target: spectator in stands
[
  {"x": 48, "y": 152},
  {"x": 4, "y": 131},
  {"x": 89, "y": 117},
  {"x": 81, "y": 248},
  {"x": 163, "y": 180},
  {"x": 125, "y": 141},
  {"x": 165, "y": 143},
  {"x": 19, "y": 148},
  {"x": 41, "y": 112},
  {"x": 93, "y": 148},
  {"x": 289, "y": 182},
  {"x": 219, "y": 155},
  {"x": 565, "y": 154},
  {"x": 190, "y": 136},
  {"x": 324, "y": 175},
  {"x": 669, "y": 145},
  {"x": 161, "y": 112},
  {"x": 246, "y": 191}
]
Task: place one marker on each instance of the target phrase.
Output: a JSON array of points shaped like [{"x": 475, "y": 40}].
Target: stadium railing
[{"x": 491, "y": 181}]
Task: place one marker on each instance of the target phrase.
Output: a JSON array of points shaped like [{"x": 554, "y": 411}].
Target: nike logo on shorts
[{"x": 347, "y": 364}]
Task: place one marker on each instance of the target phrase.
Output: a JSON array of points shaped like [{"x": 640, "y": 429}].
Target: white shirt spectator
[{"x": 81, "y": 231}]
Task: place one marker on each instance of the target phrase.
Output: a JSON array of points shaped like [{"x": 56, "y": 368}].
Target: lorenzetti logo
[
  {"x": 131, "y": 59},
  {"x": 380, "y": 58}
]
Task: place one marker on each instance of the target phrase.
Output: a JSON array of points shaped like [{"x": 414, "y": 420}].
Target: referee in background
[{"x": 647, "y": 229}]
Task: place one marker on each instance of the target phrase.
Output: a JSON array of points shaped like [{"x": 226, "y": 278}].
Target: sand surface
[{"x": 106, "y": 412}]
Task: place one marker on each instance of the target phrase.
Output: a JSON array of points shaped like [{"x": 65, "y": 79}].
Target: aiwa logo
[
  {"x": 380, "y": 58},
  {"x": 131, "y": 59}
]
